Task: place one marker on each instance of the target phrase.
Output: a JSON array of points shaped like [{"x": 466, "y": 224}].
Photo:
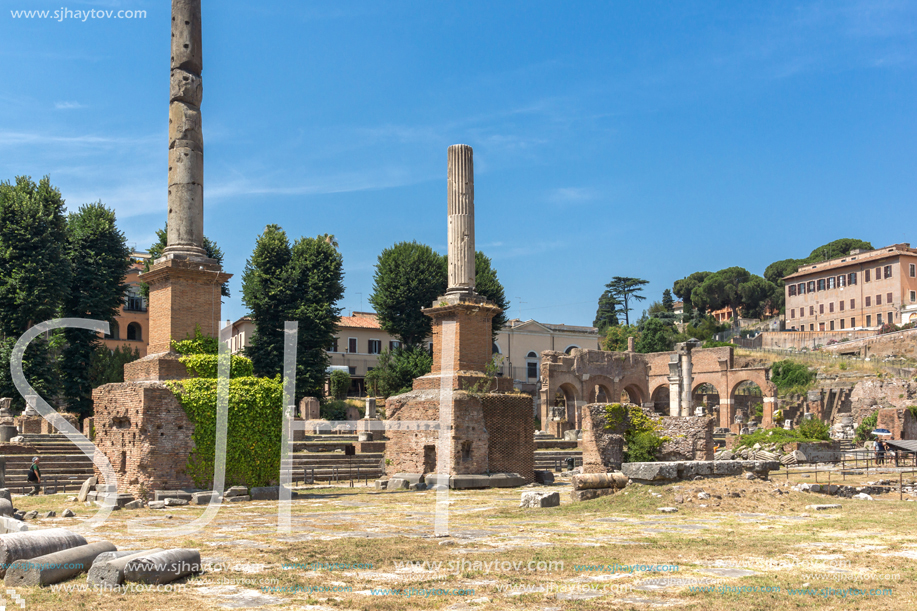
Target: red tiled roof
[{"x": 360, "y": 322}]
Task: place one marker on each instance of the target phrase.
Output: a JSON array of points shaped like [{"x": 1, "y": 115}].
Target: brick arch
[
  {"x": 638, "y": 384},
  {"x": 768, "y": 396},
  {"x": 561, "y": 382},
  {"x": 661, "y": 391},
  {"x": 607, "y": 384}
]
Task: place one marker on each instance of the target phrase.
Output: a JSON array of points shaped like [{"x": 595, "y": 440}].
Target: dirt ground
[{"x": 750, "y": 545}]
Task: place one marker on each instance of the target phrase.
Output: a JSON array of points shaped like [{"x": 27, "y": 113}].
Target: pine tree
[{"x": 488, "y": 285}]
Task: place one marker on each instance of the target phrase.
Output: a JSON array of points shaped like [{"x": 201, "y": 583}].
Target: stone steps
[{"x": 554, "y": 460}]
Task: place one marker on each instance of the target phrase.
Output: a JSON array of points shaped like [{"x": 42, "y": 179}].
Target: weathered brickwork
[
  {"x": 511, "y": 430},
  {"x": 900, "y": 422},
  {"x": 155, "y": 367},
  {"x": 689, "y": 438},
  {"x": 145, "y": 434},
  {"x": 48, "y": 428},
  {"x": 415, "y": 451},
  {"x": 184, "y": 294},
  {"x": 29, "y": 425}
]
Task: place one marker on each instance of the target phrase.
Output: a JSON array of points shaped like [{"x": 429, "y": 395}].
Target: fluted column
[
  {"x": 186, "y": 139},
  {"x": 460, "y": 186}
]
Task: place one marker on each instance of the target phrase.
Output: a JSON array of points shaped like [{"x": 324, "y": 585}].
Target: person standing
[{"x": 35, "y": 477}]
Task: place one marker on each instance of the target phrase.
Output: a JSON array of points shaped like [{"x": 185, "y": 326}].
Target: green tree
[
  {"x": 99, "y": 259},
  {"x": 667, "y": 302},
  {"x": 488, "y": 285},
  {"x": 267, "y": 296},
  {"x": 607, "y": 313},
  {"x": 684, "y": 288},
  {"x": 34, "y": 272},
  {"x": 657, "y": 336},
  {"x": 778, "y": 270},
  {"x": 106, "y": 366},
  {"x": 315, "y": 277},
  {"x": 34, "y": 277},
  {"x": 396, "y": 370},
  {"x": 301, "y": 283},
  {"x": 616, "y": 337},
  {"x": 737, "y": 289},
  {"x": 155, "y": 251},
  {"x": 626, "y": 290},
  {"x": 409, "y": 276}
]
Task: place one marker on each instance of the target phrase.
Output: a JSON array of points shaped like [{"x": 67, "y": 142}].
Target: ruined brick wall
[
  {"x": 689, "y": 438},
  {"x": 511, "y": 432},
  {"x": 873, "y": 394},
  {"x": 48, "y": 428},
  {"x": 603, "y": 449},
  {"x": 29, "y": 425},
  {"x": 414, "y": 451},
  {"x": 144, "y": 432},
  {"x": 899, "y": 421}
]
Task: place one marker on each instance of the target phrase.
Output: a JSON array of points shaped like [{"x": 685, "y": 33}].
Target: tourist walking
[{"x": 35, "y": 477}]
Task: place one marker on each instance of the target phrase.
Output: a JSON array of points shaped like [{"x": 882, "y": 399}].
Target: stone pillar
[
  {"x": 460, "y": 185},
  {"x": 687, "y": 381},
  {"x": 674, "y": 386},
  {"x": 186, "y": 139},
  {"x": 370, "y": 407},
  {"x": 631, "y": 344}
]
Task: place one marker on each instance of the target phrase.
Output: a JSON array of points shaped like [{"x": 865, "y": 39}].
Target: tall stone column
[
  {"x": 186, "y": 138},
  {"x": 687, "y": 377},
  {"x": 674, "y": 386},
  {"x": 460, "y": 185}
]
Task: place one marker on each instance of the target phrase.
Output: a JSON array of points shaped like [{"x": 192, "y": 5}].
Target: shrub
[
  {"x": 206, "y": 366},
  {"x": 791, "y": 377},
  {"x": 334, "y": 410},
  {"x": 397, "y": 369},
  {"x": 868, "y": 424},
  {"x": 339, "y": 383},
  {"x": 640, "y": 438},
  {"x": 815, "y": 429}
]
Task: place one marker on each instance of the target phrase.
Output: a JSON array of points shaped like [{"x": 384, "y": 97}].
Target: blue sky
[{"x": 649, "y": 139}]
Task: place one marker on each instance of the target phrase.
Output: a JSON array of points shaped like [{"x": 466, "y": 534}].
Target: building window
[
  {"x": 793, "y": 312},
  {"x": 888, "y": 271},
  {"x": 868, "y": 301},
  {"x": 792, "y": 289},
  {"x": 801, "y": 288},
  {"x": 375, "y": 346},
  {"x": 334, "y": 345},
  {"x": 352, "y": 370},
  {"x": 352, "y": 345},
  {"x": 852, "y": 278},
  {"x": 134, "y": 332},
  {"x": 531, "y": 370},
  {"x": 879, "y": 319},
  {"x": 114, "y": 330},
  {"x": 913, "y": 270},
  {"x": 891, "y": 318},
  {"x": 878, "y": 299},
  {"x": 393, "y": 344},
  {"x": 866, "y": 275},
  {"x": 831, "y": 282},
  {"x": 810, "y": 287},
  {"x": 841, "y": 281},
  {"x": 869, "y": 320},
  {"x": 853, "y": 323},
  {"x": 811, "y": 310},
  {"x": 133, "y": 301},
  {"x": 821, "y": 326},
  {"x": 841, "y": 304},
  {"x": 913, "y": 296},
  {"x": 821, "y": 308},
  {"x": 853, "y": 304},
  {"x": 821, "y": 284},
  {"x": 832, "y": 325},
  {"x": 831, "y": 307},
  {"x": 888, "y": 298},
  {"x": 811, "y": 327},
  {"x": 842, "y": 323}
]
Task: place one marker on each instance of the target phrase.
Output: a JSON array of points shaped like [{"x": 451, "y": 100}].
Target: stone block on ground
[
  {"x": 649, "y": 471},
  {"x": 5, "y": 494},
  {"x": 30, "y": 515},
  {"x": 268, "y": 493},
  {"x": 396, "y": 483},
  {"x": 536, "y": 498},
  {"x": 381, "y": 484},
  {"x": 172, "y": 502},
  {"x": 111, "y": 572},
  {"x": 822, "y": 507},
  {"x": 156, "y": 505},
  {"x": 12, "y": 525},
  {"x": 588, "y": 481},
  {"x": 136, "y": 504},
  {"x": 6, "y": 508},
  {"x": 506, "y": 480},
  {"x": 161, "y": 495},
  {"x": 237, "y": 499},
  {"x": 88, "y": 485},
  {"x": 411, "y": 478},
  {"x": 544, "y": 477},
  {"x": 667, "y": 509},
  {"x": 863, "y": 497},
  {"x": 417, "y": 486},
  {"x": 235, "y": 491},
  {"x": 463, "y": 482},
  {"x": 203, "y": 498},
  {"x": 67, "y": 513}
]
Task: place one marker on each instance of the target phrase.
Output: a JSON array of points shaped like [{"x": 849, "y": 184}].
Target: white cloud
[{"x": 67, "y": 105}]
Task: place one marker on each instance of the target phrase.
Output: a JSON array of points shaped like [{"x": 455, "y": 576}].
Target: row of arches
[
  {"x": 134, "y": 332},
  {"x": 746, "y": 395}
]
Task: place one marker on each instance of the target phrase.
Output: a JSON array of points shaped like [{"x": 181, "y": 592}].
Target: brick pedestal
[{"x": 184, "y": 295}]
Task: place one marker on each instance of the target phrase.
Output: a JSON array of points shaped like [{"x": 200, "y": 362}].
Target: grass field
[{"x": 711, "y": 555}]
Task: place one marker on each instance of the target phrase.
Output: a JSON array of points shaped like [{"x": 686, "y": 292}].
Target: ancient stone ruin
[
  {"x": 139, "y": 424},
  {"x": 488, "y": 429}
]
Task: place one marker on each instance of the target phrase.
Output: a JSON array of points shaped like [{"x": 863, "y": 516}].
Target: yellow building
[{"x": 132, "y": 324}]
